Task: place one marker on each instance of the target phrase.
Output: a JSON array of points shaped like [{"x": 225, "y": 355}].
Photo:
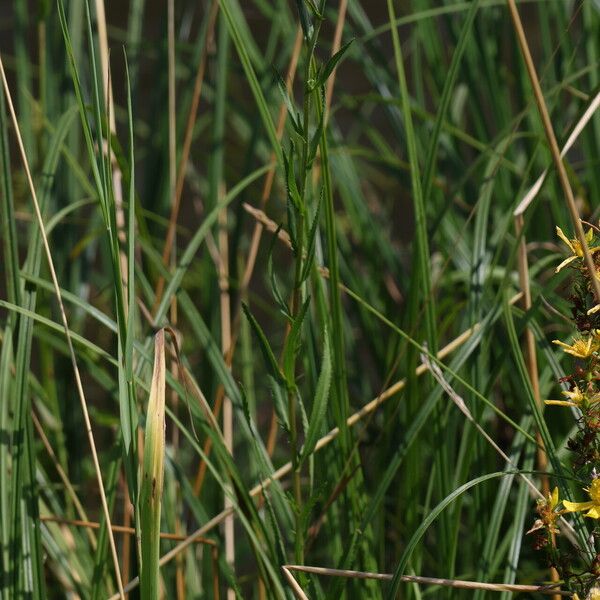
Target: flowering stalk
[{"x": 583, "y": 395}]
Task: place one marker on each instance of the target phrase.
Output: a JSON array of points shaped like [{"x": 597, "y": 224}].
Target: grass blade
[{"x": 153, "y": 474}]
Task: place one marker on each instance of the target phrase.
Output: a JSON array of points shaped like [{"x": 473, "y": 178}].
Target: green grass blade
[
  {"x": 431, "y": 517},
  {"x": 240, "y": 36}
]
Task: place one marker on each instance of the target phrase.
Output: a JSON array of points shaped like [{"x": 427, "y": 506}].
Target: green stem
[{"x": 309, "y": 70}]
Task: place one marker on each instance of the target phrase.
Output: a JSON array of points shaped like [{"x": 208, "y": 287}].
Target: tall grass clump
[{"x": 278, "y": 299}]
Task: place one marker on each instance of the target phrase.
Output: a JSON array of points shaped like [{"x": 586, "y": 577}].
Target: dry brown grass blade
[
  {"x": 298, "y": 592},
  {"x": 268, "y": 224},
  {"x": 122, "y": 529},
  {"x": 214, "y": 556},
  {"x": 558, "y": 163},
  {"x": 448, "y": 583},
  {"x": 225, "y": 305},
  {"x": 530, "y": 347},
  {"x": 460, "y": 403},
  {"x": 61, "y": 306}
]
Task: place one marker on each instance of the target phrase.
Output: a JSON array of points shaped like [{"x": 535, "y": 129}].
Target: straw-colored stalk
[
  {"x": 152, "y": 475},
  {"x": 438, "y": 581}
]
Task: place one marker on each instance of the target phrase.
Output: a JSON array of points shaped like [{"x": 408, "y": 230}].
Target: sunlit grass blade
[{"x": 151, "y": 485}]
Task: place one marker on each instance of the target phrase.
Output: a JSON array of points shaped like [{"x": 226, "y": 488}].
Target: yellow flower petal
[
  {"x": 575, "y": 395},
  {"x": 582, "y": 347},
  {"x": 565, "y": 239},
  {"x": 554, "y": 498},
  {"x": 593, "y": 513},
  {"x": 560, "y": 403},
  {"x": 575, "y": 246},
  {"x": 577, "y": 506},
  {"x": 561, "y": 344},
  {"x": 575, "y": 398},
  {"x": 565, "y": 262}
]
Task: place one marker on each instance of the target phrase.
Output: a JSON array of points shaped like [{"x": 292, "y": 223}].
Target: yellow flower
[
  {"x": 546, "y": 508},
  {"x": 593, "y": 506},
  {"x": 582, "y": 347},
  {"x": 575, "y": 398},
  {"x": 575, "y": 247}
]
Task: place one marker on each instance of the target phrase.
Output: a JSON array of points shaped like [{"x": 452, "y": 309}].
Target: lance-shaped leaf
[
  {"x": 152, "y": 475},
  {"x": 317, "y": 416},
  {"x": 293, "y": 114},
  {"x": 331, "y": 64},
  {"x": 265, "y": 348},
  {"x": 293, "y": 342}
]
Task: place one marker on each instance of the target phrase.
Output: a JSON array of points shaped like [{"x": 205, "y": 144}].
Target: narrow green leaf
[
  {"x": 317, "y": 135},
  {"x": 7, "y": 216},
  {"x": 311, "y": 242},
  {"x": 130, "y": 237},
  {"x": 331, "y": 64},
  {"x": 290, "y": 179},
  {"x": 279, "y": 299},
  {"x": 291, "y": 109},
  {"x": 82, "y": 108},
  {"x": 429, "y": 519},
  {"x": 265, "y": 347},
  {"x": 279, "y": 402},
  {"x": 293, "y": 342},
  {"x": 422, "y": 240},
  {"x": 319, "y": 407}
]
